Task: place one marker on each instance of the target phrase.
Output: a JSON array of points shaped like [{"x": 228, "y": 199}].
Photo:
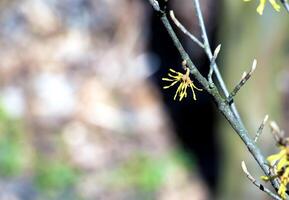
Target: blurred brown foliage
[{"x": 74, "y": 75}]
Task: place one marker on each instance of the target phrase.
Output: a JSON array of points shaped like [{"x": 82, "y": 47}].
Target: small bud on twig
[
  {"x": 274, "y": 127},
  {"x": 256, "y": 183},
  {"x": 254, "y": 65},
  {"x": 217, "y": 51},
  {"x": 245, "y": 77},
  {"x": 277, "y": 133},
  {"x": 213, "y": 62},
  {"x": 184, "y": 64},
  {"x": 261, "y": 127}
]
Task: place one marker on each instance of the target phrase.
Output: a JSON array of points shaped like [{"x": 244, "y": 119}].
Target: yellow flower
[
  {"x": 185, "y": 82},
  {"x": 280, "y": 164},
  {"x": 284, "y": 182},
  {"x": 279, "y": 157},
  {"x": 262, "y": 3}
]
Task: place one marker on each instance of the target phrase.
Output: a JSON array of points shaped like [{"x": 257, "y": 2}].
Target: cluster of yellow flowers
[
  {"x": 185, "y": 82},
  {"x": 280, "y": 167},
  {"x": 262, "y": 3}
]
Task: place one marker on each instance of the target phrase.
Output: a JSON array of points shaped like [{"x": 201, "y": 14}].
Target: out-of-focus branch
[
  {"x": 261, "y": 127},
  {"x": 184, "y": 30},
  {"x": 245, "y": 77},
  {"x": 259, "y": 185},
  {"x": 155, "y": 5},
  {"x": 240, "y": 129},
  {"x": 285, "y": 4},
  {"x": 212, "y": 63},
  {"x": 277, "y": 133}
]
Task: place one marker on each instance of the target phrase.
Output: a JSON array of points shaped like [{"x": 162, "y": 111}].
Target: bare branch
[
  {"x": 256, "y": 183},
  {"x": 217, "y": 51},
  {"x": 261, "y": 127},
  {"x": 213, "y": 62},
  {"x": 208, "y": 51},
  {"x": 184, "y": 30},
  {"x": 155, "y": 5},
  {"x": 245, "y": 77}
]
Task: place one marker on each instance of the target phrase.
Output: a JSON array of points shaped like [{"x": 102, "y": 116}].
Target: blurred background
[{"x": 83, "y": 115}]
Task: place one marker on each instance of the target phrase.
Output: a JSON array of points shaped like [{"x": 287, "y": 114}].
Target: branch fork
[
  {"x": 245, "y": 77},
  {"x": 226, "y": 107}
]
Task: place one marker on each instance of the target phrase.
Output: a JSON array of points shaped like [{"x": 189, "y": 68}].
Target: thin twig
[
  {"x": 184, "y": 30},
  {"x": 285, "y": 4},
  {"x": 245, "y": 77},
  {"x": 240, "y": 128},
  {"x": 256, "y": 183},
  {"x": 277, "y": 133},
  {"x": 208, "y": 51},
  {"x": 213, "y": 62},
  {"x": 261, "y": 127},
  {"x": 183, "y": 53},
  {"x": 155, "y": 5},
  {"x": 275, "y": 130}
]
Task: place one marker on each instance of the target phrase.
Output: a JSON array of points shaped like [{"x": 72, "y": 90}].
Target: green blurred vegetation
[
  {"x": 12, "y": 147},
  {"x": 147, "y": 173},
  {"x": 54, "y": 175},
  {"x": 51, "y": 175}
]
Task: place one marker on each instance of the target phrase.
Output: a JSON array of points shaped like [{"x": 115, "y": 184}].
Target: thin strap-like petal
[
  {"x": 175, "y": 76},
  {"x": 199, "y": 89},
  {"x": 167, "y": 79},
  {"x": 275, "y": 5},
  {"x": 178, "y": 90},
  {"x": 194, "y": 95},
  {"x": 261, "y": 7},
  {"x": 172, "y": 84}
]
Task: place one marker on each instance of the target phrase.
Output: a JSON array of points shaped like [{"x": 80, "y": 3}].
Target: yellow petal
[
  {"x": 173, "y": 71},
  {"x": 178, "y": 73},
  {"x": 282, "y": 191},
  {"x": 196, "y": 87},
  {"x": 286, "y": 174},
  {"x": 174, "y": 76},
  {"x": 167, "y": 79},
  {"x": 168, "y": 86},
  {"x": 282, "y": 163},
  {"x": 273, "y": 158},
  {"x": 275, "y": 5},
  {"x": 261, "y": 7},
  {"x": 265, "y": 178},
  {"x": 183, "y": 92},
  {"x": 179, "y": 88},
  {"x": 194, "y": 95}
]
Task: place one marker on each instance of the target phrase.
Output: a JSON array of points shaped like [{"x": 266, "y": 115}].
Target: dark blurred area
[{"x": 194, "y": 121}]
